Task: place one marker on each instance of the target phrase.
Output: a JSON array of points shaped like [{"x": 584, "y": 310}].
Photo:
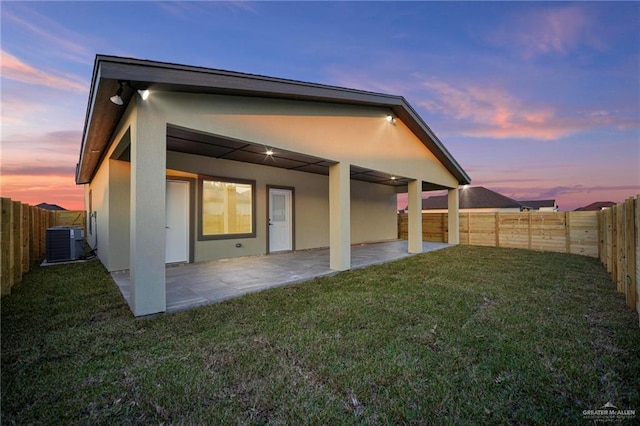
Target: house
[
  {"x": 188, "y": 164},
  {"x": 47, "y": 206},
  {"x": 473, "y": 199},
  {"x": 597, "y": 206},
  {"x": 479, "y": 199},
  {"x": 540, "y": 205}
]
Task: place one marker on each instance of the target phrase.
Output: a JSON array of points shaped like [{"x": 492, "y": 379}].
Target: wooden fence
[
  {"x": 564, "y": 232},
  {"x": 619, "y": 229},
  {"x": 23, "y": 237},
  {"x": 612, "y": 235}
]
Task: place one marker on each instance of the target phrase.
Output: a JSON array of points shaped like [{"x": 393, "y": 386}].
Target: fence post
[
  {"x": 637, "y": 254},
  {"x": 614, "y": 244},
  {"x": 5, "y": 244},
  {"x": 529, "y": 238},
  {"x": 601, "y": 237},
  {"x": 567, "y": 231},
  {"x": 445, "y": 234},
  {"x": 610, "y": 239},
  {"x": 630, "y": 260},
  {"x": 16, "y": 242},
  {"x": 621, "y": 273},
  {"x": 24, "y": 236},
  {"x": 42, "y": 242},
  {"x": 33, "y": 251}
]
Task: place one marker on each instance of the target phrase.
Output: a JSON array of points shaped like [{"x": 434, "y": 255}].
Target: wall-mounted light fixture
[
  {"x": 117, "y": 98},
  {"x": 144, "y": 94},
  {"x": 391, "y": 119}
]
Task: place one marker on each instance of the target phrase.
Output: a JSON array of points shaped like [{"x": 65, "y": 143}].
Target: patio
[{"x": 195, "y": 284}]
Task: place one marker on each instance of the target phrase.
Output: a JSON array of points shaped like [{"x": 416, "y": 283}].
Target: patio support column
[
  {"x": 415, "y": 216},
  {"x": 147, "y": 217},
  {"x": 340, "y": 217},
  {"x": 454, "y": 216}
]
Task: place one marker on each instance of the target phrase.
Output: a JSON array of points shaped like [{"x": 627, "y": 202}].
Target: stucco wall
[
  {"x": 119, "y": 209},
  {"x": 99, "y": 237},
  {"x": 373, "y": 214},
  {"x": 358, "y": 135},
  {"x": 110, "y": 192}
]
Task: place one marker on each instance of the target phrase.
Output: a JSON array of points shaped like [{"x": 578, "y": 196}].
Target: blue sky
[{"x": 535, "y": 100}]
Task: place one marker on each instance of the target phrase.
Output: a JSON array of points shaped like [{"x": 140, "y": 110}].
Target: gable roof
[
  {"x": 598, "y": 205},
  {"x": 476, "y": 197},
  {"x": 537, "y": 204},
  {"x": 47, "y": 206},
  {"x": 102, "y": 116}
]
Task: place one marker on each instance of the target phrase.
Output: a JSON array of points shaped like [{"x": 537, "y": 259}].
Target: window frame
[{"x": 208, "y": 237}]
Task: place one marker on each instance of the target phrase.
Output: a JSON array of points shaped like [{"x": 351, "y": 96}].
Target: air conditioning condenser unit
[{"x": 65, "y": 243}]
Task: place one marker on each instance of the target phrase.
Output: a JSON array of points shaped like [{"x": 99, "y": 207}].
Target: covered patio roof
[
  {"x": 222, "y": 147},
  {"x": 103, "y": 116}
]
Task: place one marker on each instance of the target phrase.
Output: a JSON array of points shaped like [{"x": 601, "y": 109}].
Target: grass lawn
[{"x": 464, "y": 335}]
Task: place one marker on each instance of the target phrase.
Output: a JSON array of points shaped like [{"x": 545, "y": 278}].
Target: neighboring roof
[
  {"x": 598, "y": 205},
  {"x": 477, "y": 197},
  {"x": 537, "y": 204},
  {"x": 46, "y": 206},
  {"x": 102, "y": 116}
]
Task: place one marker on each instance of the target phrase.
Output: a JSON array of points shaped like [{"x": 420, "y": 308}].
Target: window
[{"x": 227, "y": 208}]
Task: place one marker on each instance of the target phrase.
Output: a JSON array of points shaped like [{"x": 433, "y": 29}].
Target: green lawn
[{"x": 464, "y": 335}]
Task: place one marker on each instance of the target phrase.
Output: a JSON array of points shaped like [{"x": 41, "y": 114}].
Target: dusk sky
[{"x": 535, "y": 100}]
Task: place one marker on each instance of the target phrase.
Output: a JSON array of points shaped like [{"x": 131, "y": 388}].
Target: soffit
[{"x": 199, "y": 143}]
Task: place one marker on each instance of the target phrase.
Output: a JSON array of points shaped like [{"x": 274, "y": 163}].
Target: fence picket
[{"x": 5, "y": 244}]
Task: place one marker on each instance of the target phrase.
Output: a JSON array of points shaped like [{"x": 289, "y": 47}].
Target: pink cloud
[
  {"x": 557, "y": 30},
  {"x": 24, "y": 148},
  {"x": 17, "y": 113},
  {"x": 39, "y": 167},
  {"x": 54, "y": 187},
  {"x": 15, "y": 69},
  {"x": 492, "y": 112}
]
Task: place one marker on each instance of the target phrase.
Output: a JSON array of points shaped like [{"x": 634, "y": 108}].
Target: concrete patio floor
[{"x": 195, "y": 284}]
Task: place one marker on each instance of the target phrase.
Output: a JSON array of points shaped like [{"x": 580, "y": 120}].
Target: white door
[
  {"x": 280, "y": 220},
  {"x": 177, "y": 227}
]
